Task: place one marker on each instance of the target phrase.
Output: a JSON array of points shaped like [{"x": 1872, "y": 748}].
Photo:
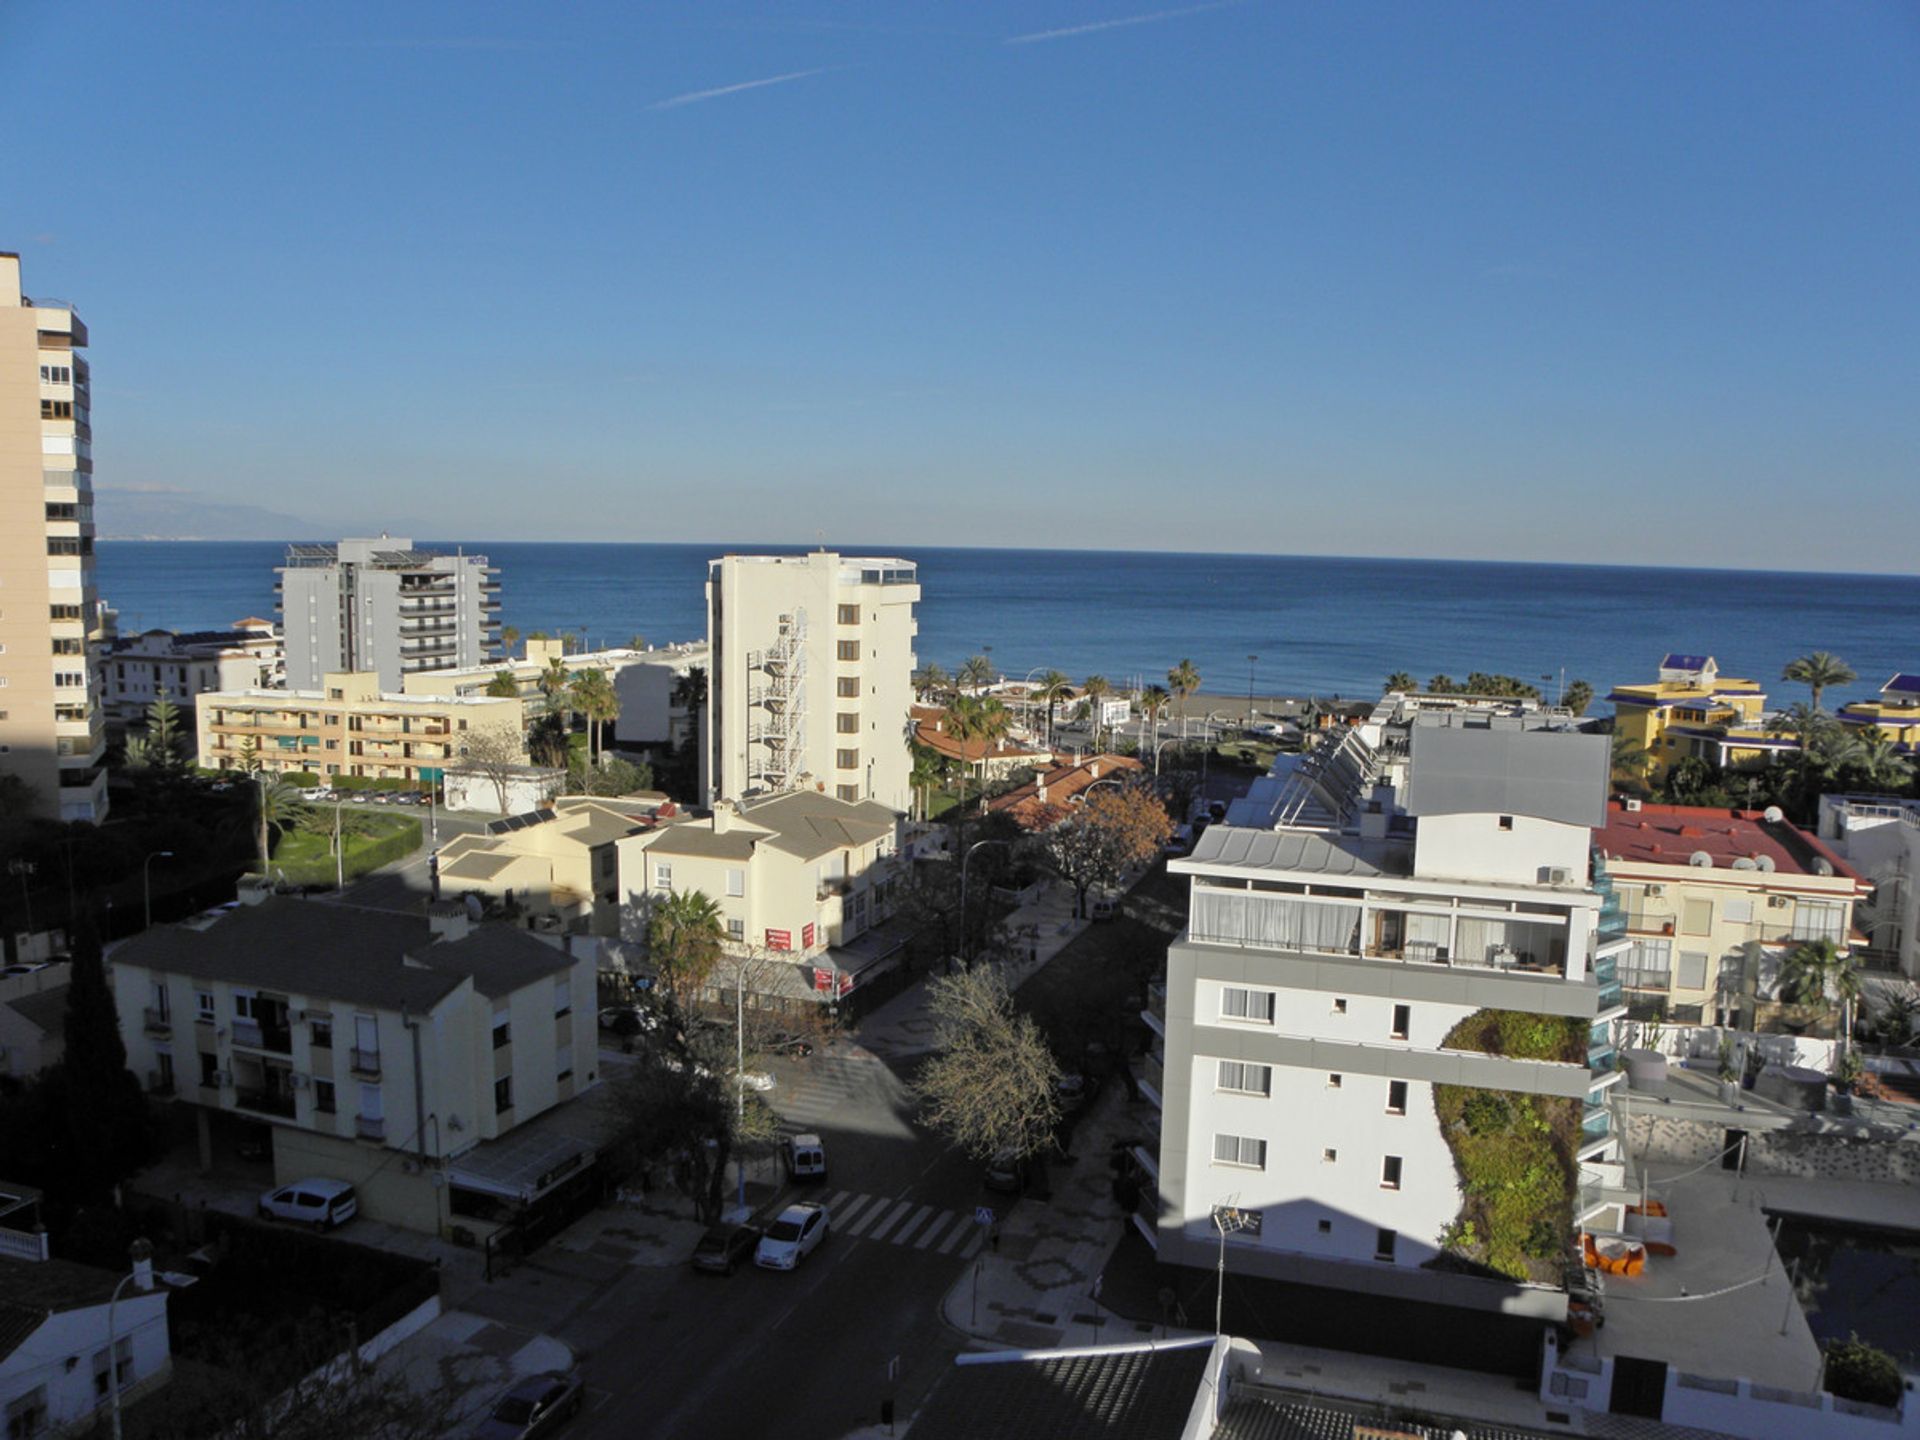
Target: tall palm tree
[
  {"x": 1874, "y": 762},
  {"x": 1631, "y": 762},
  {"x": 1403, "y": 682},
  {"x": 554, "y": 683},
  {"x": 503, "y": 686},
  {"x": 1096, "y": 689},
  {"x": 928, "y": 764},
  {"x": 1052, "y": 687},
  {"x": 1816, "y": 974},
  {"x": 971, "y": 718},
  {"x": 1183, "y": 680},
  {"x": 280, "y": 806},
  {"x": 1579, "y": 695},
  {"x": 932, "y": 683},
  {"x": 1153, "y": 702},
  {"x": 976, "y": 673},
  {"x": 1819, "y": 671},
  {"x": 509, "y": 637},
  {"x": 593, "y": 695},
  {"x": 685, "y": 935}
]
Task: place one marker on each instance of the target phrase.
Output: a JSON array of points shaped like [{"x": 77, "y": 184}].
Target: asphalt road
[{"x": 806, "y": 1353}]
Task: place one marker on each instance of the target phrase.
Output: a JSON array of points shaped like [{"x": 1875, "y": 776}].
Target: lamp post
[
  {"x": 966, "y": 948},
  {"x": 142, "y": 1276},
  {"x": 146, "y": 884},
  {"x": 1170, "y": 740},
  {"x": 339, "y": 850},
  {"x": 740, "y": 1071},
  {"x": 1227, "y": 1219},
  {"x": 1252, "y": 660},
  {"x": 24, "y": 868}
]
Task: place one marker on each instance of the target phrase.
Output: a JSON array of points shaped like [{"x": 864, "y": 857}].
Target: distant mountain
[{"x": 140, "y": 514}]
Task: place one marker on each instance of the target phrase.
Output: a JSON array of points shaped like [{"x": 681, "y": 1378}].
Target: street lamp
[
  {"x": 24, "y": 868},
  {"x": 1252, "y": 660},
  {"x": 966, "y": 949},
  {"x": 141, "y": 1253},
  {"x": 1170, "y": 740},
  {"x": 1227, "y": 1219},
  {"x": 146, "y": 883}
]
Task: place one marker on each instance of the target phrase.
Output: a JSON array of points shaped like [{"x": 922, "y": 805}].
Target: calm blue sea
[{"x": 1318, "y": 625}]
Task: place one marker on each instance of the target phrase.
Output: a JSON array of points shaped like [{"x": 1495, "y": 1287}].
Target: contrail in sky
[
  {"x": 1090, "y": 28},
  {"x": 694, "y": 97}
]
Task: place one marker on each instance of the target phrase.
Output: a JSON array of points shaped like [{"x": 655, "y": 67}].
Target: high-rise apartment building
[
  {"x": 811, "y": 676},
  {"x": 52, "y": 733},
  {"x": 382, "y": 606}
]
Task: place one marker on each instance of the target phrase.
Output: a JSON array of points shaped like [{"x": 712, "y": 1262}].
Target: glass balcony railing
[{"x": 1595, "y": 1123}]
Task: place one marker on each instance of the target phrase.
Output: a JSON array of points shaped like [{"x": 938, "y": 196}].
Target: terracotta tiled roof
[
  {"x": 1038, "y": 806},
  {"x": 927, "y": 722},
  {"x": 1670, "y": 834}
]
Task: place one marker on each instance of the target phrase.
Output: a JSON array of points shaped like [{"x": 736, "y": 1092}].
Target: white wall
[
  {"x": 80, "y": 1335},
  {"x": 1474, "y": 847}
]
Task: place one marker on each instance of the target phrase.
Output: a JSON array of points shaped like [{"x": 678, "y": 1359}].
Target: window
[
  {"x": 563, "y": 1063},
  {"x": 323, "y": 1098},
  {"x": 563, "y": 995},
  {"x": 1334, "y": 1081},
  {"x": 1329, "y": 1156},
  {"x": 122, "y": 1367},
  {"x": 209, "y": 1070},
  {"x": 74, "y": 679},
  {"x": 849, "y": 793},
  {"x": 203, "y": 1006},
  {"x": 56, "y": 409},
  {"x": 849, "y": 614},
  {"x": 847, "y": 722},
  {"x": 736, "y": 882},
  {"x": 847, "y": 759},
  {"x": 56, "y": 374},
  {"x": 1390, "y": 1173},
  {"x": 736, "y": 930},
  {"x": 243, "y": 1005},
  {"x": 847, "y": 650},
  {"x": 847, "y": 687},
  {"x": 1646, "y": 964},
  {"x": 1246, "y": 1079},
  {"x": 1383, "y": 1244},
  {"x": 27, "y": 1414},
  {"x": 1396, "y": 1097},
  {"x": 1326, "y": 1227},
  {"x": 663, "y": 875},
  {"x": 503, "y": 1094},
  {"x": 320, "y": 1032},
  {"x": 502, "y": 1029},
  {"x": 1241, "y": 1004},
  {"x": 1696, "y": 917},
  {"x": 1240, "y": 1150},
  {"x": 1506, "y": 822},
  {"x": 1340, "y": 1005},
  {"x": 1402, "y": 1022},
  {"x": 1819, "y": 920},
  {"x": 67, "y": 645},
  {"x": 1737, "y": 912}
]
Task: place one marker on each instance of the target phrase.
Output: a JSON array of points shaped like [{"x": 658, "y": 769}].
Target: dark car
[
  {"x": 723, "y": 1247},
  {"x": 538, "y": 1405}
]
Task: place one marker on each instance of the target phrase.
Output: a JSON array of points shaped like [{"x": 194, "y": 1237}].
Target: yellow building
[
  {"x": 348, "y": 727},
  {"x": 1694, "y": 710},
  {"x": 1896, "y": 713},
  {"x": 559, "y": 862}
]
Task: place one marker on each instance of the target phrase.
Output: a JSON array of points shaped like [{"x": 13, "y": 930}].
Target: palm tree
[
  {"x": 926, "y": 773},
  {"x": 932, "y": 683},
  {"x": 685, "y": 935},
  {"x": 593, "y": 695},
  {"x": 503, "y": 686},
  {"x": 280, "y": 806},
  {"x": 1631, "y": 762},
  {"x": 1403, "y": 682},
  {"x": 1874, "y": 762},
  {"x": 1053, "y": 687},
  {"x": 1579, "y": 695},
  {"x": 1096, "y": 689},
  {"x": 1819, "y": 671},
  {"x": 554, "y": 682},
  {"x": 1153, "y": 700},
  {"x": 509, "y": 637},
  {"x": 972, "y": 718},
  {"x": 976, "y": 673},
  {"x": 1817, "y": 974},
  {"x": 1183, "y": 680}
]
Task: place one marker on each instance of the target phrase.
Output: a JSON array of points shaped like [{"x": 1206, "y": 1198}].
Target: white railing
[{"x": 20, "y": 1245}]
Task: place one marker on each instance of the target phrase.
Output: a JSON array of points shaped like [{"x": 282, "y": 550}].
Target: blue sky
[{"x": 1535, "y": 281}]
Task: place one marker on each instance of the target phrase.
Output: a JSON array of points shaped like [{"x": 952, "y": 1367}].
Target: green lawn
[{"x": 307, "y": 859}]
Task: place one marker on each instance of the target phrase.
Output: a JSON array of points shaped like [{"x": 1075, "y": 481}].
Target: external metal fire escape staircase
[{"x": 777, "y": 737}]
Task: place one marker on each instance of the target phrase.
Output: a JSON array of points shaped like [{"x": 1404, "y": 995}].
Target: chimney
[
  {"x": 1040, "y": 791},
  {"x": 723, "y": 817},
  {"x": 142, "y": 1265},
  {"x": 448, "y": 919}
]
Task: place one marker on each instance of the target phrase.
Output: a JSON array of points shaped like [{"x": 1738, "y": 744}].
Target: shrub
[
  {"x": 1485, "y": 1112},
  {"x": 1863, "y": 1372}
]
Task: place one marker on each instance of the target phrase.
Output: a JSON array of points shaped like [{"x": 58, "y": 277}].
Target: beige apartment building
[
  {"x": 801, "y": 878},
  {"x": 52, "y": 730},
  {"x": 402, "y": 1054},
  {"x": 1713, "y": 900},
  {"x": 348, "y": 727},
  {"x": 811, "y": 676},
  {"x": 136, "y": 670},
  {"x": 559, "y": 865}
]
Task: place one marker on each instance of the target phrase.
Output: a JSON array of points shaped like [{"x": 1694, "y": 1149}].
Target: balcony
[
  {"x": 257, "y": 1036},
  {"x": 158, "y": 1022},
  {"x": 1157, "y": 1000},
  {"x": 370, "y": 1127},
  {"x": 1153, "y": 1070},
  {"x": 1595, "y": 1124},
  {"x": 264, "y": 1102},
  {"x": 364, "y": 1062}
]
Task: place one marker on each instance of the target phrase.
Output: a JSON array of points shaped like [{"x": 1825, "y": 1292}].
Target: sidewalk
[
  {"x": 1039, "y": 1286},
  {"x": 468, "y": 1360}
]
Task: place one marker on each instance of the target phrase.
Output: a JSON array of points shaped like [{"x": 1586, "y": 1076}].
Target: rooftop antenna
[{"x": 1228, "y": 1219}]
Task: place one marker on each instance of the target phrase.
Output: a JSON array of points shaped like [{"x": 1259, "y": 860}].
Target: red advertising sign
[
  {"x": 806, "y": 936},
  {"x": 779, "y": 939},
  {"x": 846, "y": 982},
  {"x": 823, "y": 980}
]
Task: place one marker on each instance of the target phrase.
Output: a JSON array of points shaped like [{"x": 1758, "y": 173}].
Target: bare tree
[
  {"x": 992, "y": 1084},
  {"x": 496, "y": 754},
  {"x": 1102, "y": 839}
]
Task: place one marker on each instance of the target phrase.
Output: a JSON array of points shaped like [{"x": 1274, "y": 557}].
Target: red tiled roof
[
  {"x": 1060, "y": 785},
  {"x": 1670, "y": 834},
  {"x": 927, "y": 722}
]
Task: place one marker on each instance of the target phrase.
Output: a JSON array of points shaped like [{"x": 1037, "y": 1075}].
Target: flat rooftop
[{"x": 1672, "y": 834}]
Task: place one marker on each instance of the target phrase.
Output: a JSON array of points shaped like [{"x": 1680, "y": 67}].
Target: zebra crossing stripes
[
  {"x": 919, "y": 1219},
  {"x": 907, "y": 1223},
  {"x": 893, "y": 1219},
  {"x": 854, "y": 1227}
]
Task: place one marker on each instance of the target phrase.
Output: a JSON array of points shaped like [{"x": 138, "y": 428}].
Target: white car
[
  {"x": 756, "y": 1080},
  {"x": 320, "y": 1203},
  {"x": 794, "y": 1236}
]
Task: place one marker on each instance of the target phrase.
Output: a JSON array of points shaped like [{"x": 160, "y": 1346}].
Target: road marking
[
  {"x": 939, "y": 1224},
  {"x": 893, "y": 1219},
  {"x": 919, "y": 1219},
  {"x": 865, "y": 1220},
  {"x": 972, "y": 1247},
  {"x": 958, "y": 1234},
  {"x": 838, "y": 1200}
]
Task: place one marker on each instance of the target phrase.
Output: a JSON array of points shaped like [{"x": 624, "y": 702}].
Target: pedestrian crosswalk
[
  {"x": 893, "y": 1221},
  {"x": 827, "y": 1088}
]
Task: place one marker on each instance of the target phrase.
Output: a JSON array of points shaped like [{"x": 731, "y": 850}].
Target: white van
[
  {"x": 320, "y": 1203},
  {"x": 806, "y": 1157}
]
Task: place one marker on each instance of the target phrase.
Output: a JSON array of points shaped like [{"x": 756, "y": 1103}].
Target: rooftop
[
  {"x": 31, "y": 1290},
  {"x": 1674, "y": 834},
  {"x": 1315, "y": 851},
  {"x": 1033, "y": 804},
  {"x": 46, "y": 1010},
  {"x": 808, "y": 824}
]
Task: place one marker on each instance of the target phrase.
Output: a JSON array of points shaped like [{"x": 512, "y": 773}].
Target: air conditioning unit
[
  {"x": 1559, "y": 875},
  {"x": 1777, "y": 902},
  {"x": 1656, "y": 892},
  {"x": 1632, "y": 806}
]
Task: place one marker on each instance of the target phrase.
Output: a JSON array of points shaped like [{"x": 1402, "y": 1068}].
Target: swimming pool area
[{"x": 1855, "y": 1279}]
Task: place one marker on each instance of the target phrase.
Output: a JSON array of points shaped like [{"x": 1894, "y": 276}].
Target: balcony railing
[
  {"x": 1157, "y": 999},
  {"x": 1154, "y": 1072},
  {"x": 370, "y": 1127},
  {"x": 256, "y": 1036},
  {"x": 364, "y": 1062},
  {"x": 1595, "y": 1123},
  {"x": 266, "y": 1102},
  {"x": 158, "y": 1022}
]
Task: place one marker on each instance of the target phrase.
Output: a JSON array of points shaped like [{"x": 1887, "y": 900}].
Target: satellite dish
[
  {"x": 1764, "y": 862},
  {"x": 1822, "y": 865},
  {"x": 1773, "y": 815},
  {"x": 1700, "y": 860},
  {"x": 1746, "y": 862}
]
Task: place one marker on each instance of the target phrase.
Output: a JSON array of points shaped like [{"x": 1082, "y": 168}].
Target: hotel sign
[{"x": 779, "y": 939}]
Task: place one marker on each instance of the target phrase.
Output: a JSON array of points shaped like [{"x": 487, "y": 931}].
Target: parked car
[
  {"x": 1073, "y": 1090},
  {"x": 627, "y": 1019},
  {"x": 1178, "y": 840},
  {"x": 806, "y": 1157},
  {"x": 321, "y": 1203},
  {"x": 26, "y": 967},
  {"x": 313, "y": 793},
  {"x": 1007, "y": 1173},
  {"x": 795, "y": 1235},
  {"x": 1103, "y": 906},
  {"x": 756, "y": 1080},
  {"x": 724, "y": 1246},
  {"x": 538, "y": 1405}
]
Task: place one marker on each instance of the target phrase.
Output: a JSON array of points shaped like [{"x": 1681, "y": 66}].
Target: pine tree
[{"x": 108, "y": 1126}]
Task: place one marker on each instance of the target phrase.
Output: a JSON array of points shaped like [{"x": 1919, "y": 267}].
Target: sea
[{"x": 1266, "y": 624}]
